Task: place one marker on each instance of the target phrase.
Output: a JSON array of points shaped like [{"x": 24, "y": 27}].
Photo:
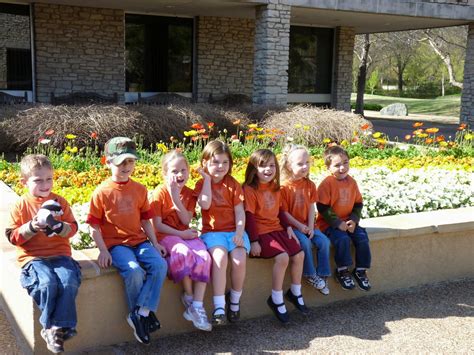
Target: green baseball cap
[{"x": 118, "y": 149}]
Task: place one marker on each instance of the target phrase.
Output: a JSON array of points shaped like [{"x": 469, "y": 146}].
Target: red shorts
[{"x": 275, "y": 243}]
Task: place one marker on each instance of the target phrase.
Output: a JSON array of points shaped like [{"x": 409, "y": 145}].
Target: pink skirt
[{"x": 187, "y": 257}]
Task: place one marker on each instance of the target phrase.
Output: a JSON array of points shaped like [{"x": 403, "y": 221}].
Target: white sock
[
  {"x": 219, "y": 302},
  {"x": 197, "y": 304},
  {"x": 360, "y": 269},
  {"x": 339, "y": 269},
  {"x": 235, "y": 298},
  {"x": 188, "y": 298},
  {"x": 277, "y": 298},
  {"x": 296, "y": 290},
  {"x": 143, "y": 311}
]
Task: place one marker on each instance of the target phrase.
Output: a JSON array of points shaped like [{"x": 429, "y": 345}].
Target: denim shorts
[{"x": 224, "y": 239}]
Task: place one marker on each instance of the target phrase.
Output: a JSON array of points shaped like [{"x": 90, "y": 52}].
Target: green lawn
[{"x": 441, "y": 106}]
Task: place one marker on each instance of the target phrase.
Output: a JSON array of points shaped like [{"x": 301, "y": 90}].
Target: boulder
[{"x": 396, "y": 109}]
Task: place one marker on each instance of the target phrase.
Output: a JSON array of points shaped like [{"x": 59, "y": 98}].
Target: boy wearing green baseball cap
[{"x": 119, "y": 218}]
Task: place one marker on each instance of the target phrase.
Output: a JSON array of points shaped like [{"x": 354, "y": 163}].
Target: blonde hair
[
  {"x": 258, "y": 158},
  {"x": 32, "y": 162},
  {"x": 170, "y": 156},
  {"x": 332, "y": 152},
  {"x": 217, "y": 147},
  {"x": 286, "y": 173}
]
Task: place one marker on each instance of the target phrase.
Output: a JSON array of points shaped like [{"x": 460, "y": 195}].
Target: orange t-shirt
[
  {"x": 118, "y": 209},
  {"x": 264, "y": 204},
  {"x": 40, "y": 245},
  {"x": 340, "y": 195},
  {"x": 296, "y": 198},
  {"x": 162, "y": 206},
  {"x": 226, "y": 194}
]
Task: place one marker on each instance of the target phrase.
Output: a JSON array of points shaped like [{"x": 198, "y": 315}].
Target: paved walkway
[{"x": 435, "y": 318}]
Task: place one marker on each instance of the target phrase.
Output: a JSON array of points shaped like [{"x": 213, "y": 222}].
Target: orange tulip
[
  {"x": 417, "y": 124},
  {"x": 429, "y": 140},
  {"x": 432, "y": 130},
  {"x": 408, "y": 137},
  {"x": 365, "y": 126},
  {"x": 462, "y": 127},
  {"x": 197, "y": 126}
]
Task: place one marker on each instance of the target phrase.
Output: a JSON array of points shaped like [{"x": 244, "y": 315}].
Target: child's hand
[
  {"x": 255, "y": 249},
  {"x": 343, "y": 226},
  {"x": 238, "y": 240},
  {"x": 351, "y": 225},
  {"x": 203, "y": 173},
  {"x": 37, "y": 225},
  {"x": 292, "y": 235},
  {"x": 189, "y": 234},
  {"x": 310, "y": 234},
  {"x": 173, "y": 185},
  {"x": 105, "y": 259},
  {"x": 303, "y": 228},
  {"x": 161, "y": 249}
]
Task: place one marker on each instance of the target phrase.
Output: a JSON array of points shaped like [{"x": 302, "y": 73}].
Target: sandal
[
  {"x": 218, "y": 319},
  {"x": 232, "y": 316}
]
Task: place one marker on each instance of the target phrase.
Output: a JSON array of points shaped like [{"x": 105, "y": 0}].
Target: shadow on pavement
[{"x": 363, "y": 318}]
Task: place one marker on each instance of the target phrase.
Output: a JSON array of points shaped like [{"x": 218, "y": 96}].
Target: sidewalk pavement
[
  {"x": 412, "y": 117},
  {"x": 436, "y": 318}
]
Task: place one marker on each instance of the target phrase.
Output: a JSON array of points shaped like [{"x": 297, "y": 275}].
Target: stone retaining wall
[
  {"x": 78, "y": 49},
  {"x": 342, "y": 81}
]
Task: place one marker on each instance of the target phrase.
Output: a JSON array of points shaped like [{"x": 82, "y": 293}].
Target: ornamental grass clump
[{"x": 313, "y": 125}]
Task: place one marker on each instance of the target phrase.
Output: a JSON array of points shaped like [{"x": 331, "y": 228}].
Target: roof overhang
[{"x": 364, "y": 15}]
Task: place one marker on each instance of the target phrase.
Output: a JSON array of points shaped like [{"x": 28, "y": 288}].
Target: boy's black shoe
[
  {"x": 282, "y": 317},
  {"x": 294, "y": 299},
  {"x": 362, "y": 280},
  {"x": 345, "y": 279},
  {"x": 218, "y": 319},
  {"x": 68, "y": 333},
  {"x": 54, "y": 339},
  {"x": 153, "y": 322},
  {"x": 140, "y": 326},
  {"x": 232, "y": 316}
]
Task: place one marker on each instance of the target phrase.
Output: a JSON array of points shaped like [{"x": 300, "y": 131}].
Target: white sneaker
[
  {"x": 316, "y": 281},
  {"x": 199, "y": 318},
  {"x": 325, "y": 289}
]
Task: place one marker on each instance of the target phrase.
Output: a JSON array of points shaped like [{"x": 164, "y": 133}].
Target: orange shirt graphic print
[
  {"x": 268, "y": 200},
  {"x": 125, "y": 205},
  {"x": 344, "y": 196}
]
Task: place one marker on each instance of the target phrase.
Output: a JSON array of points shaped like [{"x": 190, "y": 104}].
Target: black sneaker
[
  {"x": 345, "y": 279},
  {"x": 282, "y": 317},
  {"x": 294, "y": 299},
  {"x": 140, "y": 326},
  {"x": 153, "y": 322},
  {"x": 54, "y": 339},
  {"x": 69, "y": 333},
  {"x": 362, "y": 280}
]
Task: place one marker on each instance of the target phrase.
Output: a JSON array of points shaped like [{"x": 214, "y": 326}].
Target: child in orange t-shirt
[
  {"x": 223, "y": 217},
  {"x": 340, "y": 208},
  {"x": 270, "y": 232},
  {"x": 40, "y": 226},
  {"x": 173, "y": 206},
  {"x": 119, "y": 218},
  {"x": 299, "y": 196}
]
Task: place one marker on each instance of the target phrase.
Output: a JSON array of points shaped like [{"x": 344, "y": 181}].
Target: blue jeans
[
  {"x": 342, "y": 245},
  {"x": 53, "y": 284},
  {"x": 143, "y": 270},
  {"x": 321, "y": 242}
]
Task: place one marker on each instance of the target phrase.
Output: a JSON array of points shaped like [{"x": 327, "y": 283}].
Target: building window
[
  {"x": 310, "y": 62},
  {"x": 15, "y": 49},
  {"x": 159, "y": 52}
]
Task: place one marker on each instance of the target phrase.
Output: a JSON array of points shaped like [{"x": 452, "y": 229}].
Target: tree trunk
[
  {"x": 400, "y": 68},
  {"x": 362, "y": 76}
]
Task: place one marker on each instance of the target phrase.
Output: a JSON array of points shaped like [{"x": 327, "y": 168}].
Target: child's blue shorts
[{"x": 224, "y": 239}]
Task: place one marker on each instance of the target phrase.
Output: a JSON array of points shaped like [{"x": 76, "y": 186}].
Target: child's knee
[
  {"x": 282, "y": 259},
  {"x": 298, "y": 258}
]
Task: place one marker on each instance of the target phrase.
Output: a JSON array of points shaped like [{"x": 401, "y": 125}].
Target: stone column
[
  {"x": 272, "y": 44},
  {"x": 342, "y": 82},
  {"x": 467, "y": 97}
]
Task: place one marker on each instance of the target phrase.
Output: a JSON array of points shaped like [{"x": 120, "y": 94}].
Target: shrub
[
  {"x": 312, "y": 125},
  {"x": 369, "y": 106}
]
